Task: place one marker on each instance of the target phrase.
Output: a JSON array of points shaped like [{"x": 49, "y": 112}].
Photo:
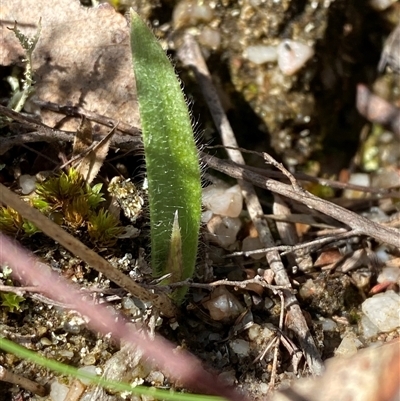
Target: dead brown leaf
[
  {"x": 82, "y": 57},
  {"x": 328, "y": 258},
  {"x": 83, "y": 138},
  {"x": 90, "y": 155}
]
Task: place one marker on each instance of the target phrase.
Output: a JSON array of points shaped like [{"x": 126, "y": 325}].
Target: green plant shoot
[
  {"x": 11, "y": 301},
  {"x": 173, "y": 169},
  {"x": 20, "y": 97}
]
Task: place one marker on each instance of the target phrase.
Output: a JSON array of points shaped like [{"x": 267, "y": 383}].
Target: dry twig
[
  {"x": 35, "y": 388},
  {"x": 359, "y": 224},
  {"x": 90, "y": 115},
  {"x": 191, "y": 56},
  {"x": 381, "y": 192},
  {"x": 306, "y": 247},
  {"x": 288, "y": 235},
  {"x": 126, "y": 140},
  {"x": 239, "y": 284},
  {"x": 276, "y": 346}
]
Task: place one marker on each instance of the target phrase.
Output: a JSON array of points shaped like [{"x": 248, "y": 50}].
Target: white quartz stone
[
  {"x": 383, "y": 310},
  {"x": 293, "y": 55}
]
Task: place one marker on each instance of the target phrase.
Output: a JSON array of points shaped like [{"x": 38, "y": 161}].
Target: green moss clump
[
  {"x": 11, "y": 301},
  {"x": 104, "y": 228},
  {"x": 12, "y": 223},
  {"x": 70, "y": 201}
]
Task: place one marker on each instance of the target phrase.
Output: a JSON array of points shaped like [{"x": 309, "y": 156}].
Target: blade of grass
[
  {"x": 172, "y": 162},
  {"x": 63, "y": 369}
]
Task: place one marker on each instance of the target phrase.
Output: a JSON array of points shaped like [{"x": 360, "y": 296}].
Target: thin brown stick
[
  {"x": 262, "y": 354},
  {"x": 359, "y": 224},
  {"x": 40, "y": 154},
  {"x": 288, "y": 234},
  {"x": 306, "y": 247},
  {"x": 300, "y": 218},
  {"x": 276, "y": 346},
  {"x": 124, "y": 142},
  {"x": 35, "y": 388},
  {"x": 43, "y": 133},
  {"x": 239, "y": 284},
  {"x": 18, "y": 290},
  {"x": 190, "y": 55},
  {"x": 90, "y": 115},
  {"x": 383, "y": 192},
  {"x": 160, "y": 301}
]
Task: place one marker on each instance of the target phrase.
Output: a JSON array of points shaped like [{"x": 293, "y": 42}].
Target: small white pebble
[
  {"x": 380, "y": 5},
  {"x": 58, "y": 391},
  {"x": 264, "y": 388},
  {"x": 45, "y": 341},
  {"x": 361, "y": 179},
  {"x": 260, "y": 334},
  {"x": 260, "y": 54},
  {"x": 228, "y": 377},
  {"x": 190, "y": 13},
  {"x": 255, "y": 3},
  {"x": 328, "y": 324},
  {"x": 223, "y": 304},
  {"x": 90, "y": 370},
  {"x": 389, "y": 274},
  {"x": 127, "y": 303},
  {"x": 375, "y": 214},
  {"x": 224, "y": 230},
  {"x": 386, "y": 137},
  {"x": 27, "y": 183},
  {"x": 293, "y": 55},
  {"x": 386, "y": 178},
  {"x": 66, "y": 354},
  {"x": 252, "y": 244},
  {"x": 268, "y": 303},
  {"x": 383, "y": 310},
  {"x": 382, "y": 254},
  {"x": 240, "y": 347},
  {"x": 223, "y": 201},
  {"x": 156, "y": 378},
  {"x": 368, "y": 328},
  {"x": 206, "y": 216},
  {"x": 254, "y": 332},
  {"x": 210, "y": 38},
  {"x": 349, "y": 345},
  {"x": 89, "y": 360}
]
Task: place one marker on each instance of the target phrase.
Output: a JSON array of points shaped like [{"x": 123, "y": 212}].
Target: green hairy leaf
[{"x": 173, "y": 169}]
